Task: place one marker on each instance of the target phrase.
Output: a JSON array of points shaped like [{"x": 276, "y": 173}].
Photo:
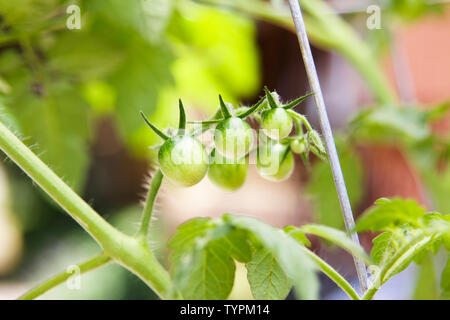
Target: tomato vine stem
[
  {"x": 327, "y": 134},
  {"x": 149, "y": 204},
  {"x": 333, "y": 275},
  {"x": 131, "y": 253},
  {"x": 51, "y": 283}
]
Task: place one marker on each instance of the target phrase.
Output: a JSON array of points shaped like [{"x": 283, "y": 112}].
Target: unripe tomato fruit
[
  {"x": 233, "y": 138},
  {"x": 298, "y": 146},
  {"x": 276, "y": 123},
  {"x": 274, "y": 161},
  {"x": 183, "y": 159},
  {"x": 229, "y": 174}
]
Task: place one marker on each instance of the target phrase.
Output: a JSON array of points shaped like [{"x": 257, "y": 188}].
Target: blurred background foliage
[
  {"x": 59, "y": 87},
  {"x": 128, "y": 56}
]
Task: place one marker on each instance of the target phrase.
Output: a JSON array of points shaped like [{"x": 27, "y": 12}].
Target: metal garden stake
[{"x": 327, "y": 134}]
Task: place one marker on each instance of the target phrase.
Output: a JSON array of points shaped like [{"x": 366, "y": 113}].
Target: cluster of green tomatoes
[{"x": 184, "y": 160}]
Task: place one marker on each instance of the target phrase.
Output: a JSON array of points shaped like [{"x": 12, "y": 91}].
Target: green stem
[
  {"x": 333, "y": 274},
  {"x": 301, "y": 118},
  {"x": 38, "y": 171},
  {"x": 149, "y": 204},
  {"x": 406, "y": 253},
  {"x": 84, "y": 267},
  {"x": 132, "y": 253}
]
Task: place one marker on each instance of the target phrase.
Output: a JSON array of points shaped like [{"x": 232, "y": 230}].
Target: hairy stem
[
  {"x": 301, "y": 118},
  {"x": 39, "y": 172},
  {"x": 129, "y": 252},
  {"x": 149, "y": 204},
  {"x": 84, "y": 267},
  {"x": 333, "y": 275}
]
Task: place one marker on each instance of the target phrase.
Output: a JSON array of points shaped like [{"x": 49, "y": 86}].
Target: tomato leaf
[
  {"x": 390, "y": 212},
  {"x": 297, "y": 234},
  {"x": 203, "y": 252},
  {"x": 206, "y": 273},
  {"x": 297, "y": 266},
  {"x": 337, "y": 237},
  {"x": 408, "y": 124},
  {"x": 55, "y": 119},
  {"x": 384, "y": 247},
  {"x": 267, "y": 279}
]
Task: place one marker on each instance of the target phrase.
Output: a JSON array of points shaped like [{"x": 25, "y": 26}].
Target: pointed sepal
[
  {"x": 252, "y": 109},
  {"x": 270, "y": 98},
  {"x": 182, "y": 121},
  {"x": 154, "y": 128},
  {"x": 225, "y": 111},
  {"x": 292, "y": 104}
]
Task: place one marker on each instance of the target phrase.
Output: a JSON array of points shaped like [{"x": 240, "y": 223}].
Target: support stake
[{"x": 327, "y": 134}]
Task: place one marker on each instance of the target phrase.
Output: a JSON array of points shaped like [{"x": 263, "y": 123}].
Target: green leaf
[
  {"x": 426, "y": 285},
  {"x": 147, "y": 17},
  {"x": 187, "y": 234},
  {"x": 225, "y": 58},
  {"x": 388, "y": 213},
  {"x": 410, "y": 10},
  {"x": 267, "y": 279},
  {"x": 445, "y": 282},
  {"x": 394, "y": 251},
  {"x": 337, "y": 237},
  {"x": 137, "y": 82},
  {"x": 384, "y": 247},
  {"x": 206, "y": 273},
  {"x": 238, "y": 246},
  {"x": 54, "y": 117},
  {"x": 409, "y": 124},
  {"x": 93, "y": 56},
  {"x": 203, "y": 252},
  {"x": 297, "y": 266},
  {"x": 297, "y": 234}
]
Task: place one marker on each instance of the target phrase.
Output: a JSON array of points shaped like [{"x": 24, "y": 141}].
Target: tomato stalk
[
  {"x": 84, "y": 267},
  {"x": 131, "y": 253},
  {"x": 149, "y": 204}
]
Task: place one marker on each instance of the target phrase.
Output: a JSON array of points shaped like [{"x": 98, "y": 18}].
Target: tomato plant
[{"x": 204, "y": 250}]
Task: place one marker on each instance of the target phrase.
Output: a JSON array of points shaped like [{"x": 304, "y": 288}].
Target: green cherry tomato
[
  {"x": 276, "y": 123},
  {"x": 298, "y": 146},
  {"x": 229, "y": 174},
  {"x": 233, "y": 138},
  {"x": 183, "y": 160},
  {"x": 274, "y": 161}
]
